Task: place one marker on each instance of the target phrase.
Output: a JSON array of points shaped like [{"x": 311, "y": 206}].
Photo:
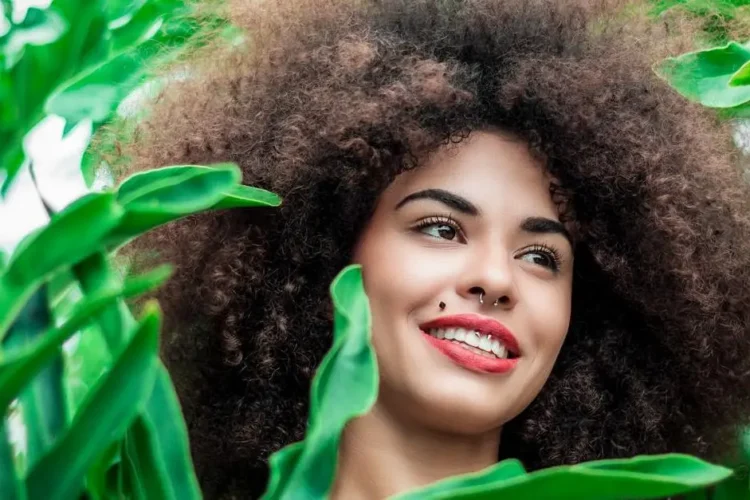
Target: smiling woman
[
  {"x": 556, "y": 247},
  {"x": 478, "y": 231}
]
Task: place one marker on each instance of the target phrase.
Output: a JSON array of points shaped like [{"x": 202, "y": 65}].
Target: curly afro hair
[{"x": 325, "y": 101}]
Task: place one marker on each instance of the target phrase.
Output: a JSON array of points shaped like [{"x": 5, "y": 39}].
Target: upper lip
[{"x": 481, "y": 324}]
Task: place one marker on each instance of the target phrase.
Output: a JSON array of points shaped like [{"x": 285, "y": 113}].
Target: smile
[{"x": 473, "y": 342}]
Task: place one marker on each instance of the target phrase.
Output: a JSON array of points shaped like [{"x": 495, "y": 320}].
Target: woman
[{"x": 556, "y": 247}]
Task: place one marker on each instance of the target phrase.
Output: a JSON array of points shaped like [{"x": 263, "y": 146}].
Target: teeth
[
  {"x": 472, "y": 338},
  {"x": 499, "y": 350},
  {"x": 485, "y": 343},
  {"x": 478, "y": 343}
]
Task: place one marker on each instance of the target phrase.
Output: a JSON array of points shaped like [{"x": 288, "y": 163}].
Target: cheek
[
  {"x": 400, "y": 275},
  {"x": 549, "y": 312}
]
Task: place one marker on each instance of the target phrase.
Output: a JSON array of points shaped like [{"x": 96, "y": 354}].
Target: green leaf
[
  {"x": 241, "y": 196},
  {"x": 103, "y": 419},
  {"x": 121, "y": 11},
  {"x": 741, "y": 76},
  {"x": 141, "y": 26},
  {"x": 40, "y": 27},
  {"x": 149, "y": 281},
  {"x": 158, "y": 446},
  {"x": 704, "y": 76},
  {"x": 96, "y": 276},
  {"x": 42, "y": 401},
  {"x": 159, "y": 196},
  {"x": 71, "y": 236},
  {"x": 96, "y": 93},
  {"x": 502, "y": 471},
  {"x": 100, "y": 483},
  {"x": 41, "y": 70},
  {"x": 153, "y": 185},
  {"x": 18, "y": 366},
  {"x": 345, "y": 386},
  {"x": 655, "y": 476},
  {"x": 10, "y": 486}
]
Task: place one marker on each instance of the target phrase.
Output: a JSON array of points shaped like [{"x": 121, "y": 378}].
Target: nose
[{"x": 489, "y": 280}]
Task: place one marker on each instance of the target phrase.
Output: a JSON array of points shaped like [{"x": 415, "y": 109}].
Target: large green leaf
[
  {"x": 162, "y": 195},
  {"x": 42, "y": 401},
  {"x": 176, "y": 185},
  {"x": 72, "y": 235},
  {"x": 96, "y": 93},
  {"x": 712, "y": 77},
  {"x": 502, "y": 471},
  {"x": 241, "y": 196},
  {"x": 158, "y": 446},
  {"x": 103, "y": 419},
  {"x": 95, "y": 275},
  {"x": 19, "y": 366},
  {"x": 43, "y": 68},
  {"x": 641, "y": 477},
  {"x": 344, "y": 387}
]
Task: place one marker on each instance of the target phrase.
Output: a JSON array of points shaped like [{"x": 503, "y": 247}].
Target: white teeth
[
  {"x": 499, "y": 350},
  {"x": 472, "y": 339},
  {"x": 485, "y": 343},
  {"x": 476, "y": 340}
]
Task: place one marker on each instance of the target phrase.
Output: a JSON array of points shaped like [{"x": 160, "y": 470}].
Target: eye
[
  {"x": 542, "y": 256},
  {"x": 443, "y": 228}
]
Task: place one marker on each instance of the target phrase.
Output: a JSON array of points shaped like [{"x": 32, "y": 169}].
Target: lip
[{"x": 466, "y": 358}]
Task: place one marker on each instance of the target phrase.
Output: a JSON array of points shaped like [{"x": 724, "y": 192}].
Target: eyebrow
[
  {"x": 535, "y": 225},
  {"x": 542, "y": 225},
  {"x": 452, "y": 200}
]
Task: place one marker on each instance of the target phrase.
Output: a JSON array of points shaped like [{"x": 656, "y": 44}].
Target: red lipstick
[{"x": 466, "y": 358}]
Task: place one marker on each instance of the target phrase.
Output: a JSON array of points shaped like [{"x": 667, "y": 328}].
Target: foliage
[
  {"x": 122, "y": 436},
  {"x": 132, "y": 409}
]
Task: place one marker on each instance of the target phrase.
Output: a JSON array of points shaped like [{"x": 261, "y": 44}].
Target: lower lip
[{"x": 468, "y": 359}]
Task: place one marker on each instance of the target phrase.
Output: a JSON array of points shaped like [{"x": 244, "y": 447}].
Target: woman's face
[{"x": 469, "y": 275}]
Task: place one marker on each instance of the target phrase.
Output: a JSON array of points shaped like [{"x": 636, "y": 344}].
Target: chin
[{"x": 456, "y": 408}]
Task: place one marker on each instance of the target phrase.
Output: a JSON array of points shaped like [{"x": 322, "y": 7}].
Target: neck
[{"x": 381, "y": 455}]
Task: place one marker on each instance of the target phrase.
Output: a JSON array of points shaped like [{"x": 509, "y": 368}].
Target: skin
[{"x": 434, "y": 418}]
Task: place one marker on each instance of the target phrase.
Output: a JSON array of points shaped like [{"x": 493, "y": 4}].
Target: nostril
[
  {"x": 504, "y": 300},
  {"x": 477, "y": 290}
]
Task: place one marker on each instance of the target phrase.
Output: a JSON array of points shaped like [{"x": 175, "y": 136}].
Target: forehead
[{"x": 494, "y": 171}]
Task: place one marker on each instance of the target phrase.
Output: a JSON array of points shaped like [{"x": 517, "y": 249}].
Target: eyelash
[
  {"x": 550, "y": 252},
  {"x": 436, "y": 220}
]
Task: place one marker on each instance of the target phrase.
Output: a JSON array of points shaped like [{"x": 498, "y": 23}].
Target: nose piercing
[{"x": 481, "y": 300}]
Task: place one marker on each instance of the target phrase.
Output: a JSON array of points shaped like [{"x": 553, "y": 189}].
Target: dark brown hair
[{"x": 325, "y": 101}]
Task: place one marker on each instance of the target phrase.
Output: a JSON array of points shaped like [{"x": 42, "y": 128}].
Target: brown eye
[
  {"x": 443, "y": 231},
  {"x": 542, "y": 256}
]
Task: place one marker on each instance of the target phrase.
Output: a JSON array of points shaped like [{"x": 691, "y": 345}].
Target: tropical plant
[{"x": 123, "y": 437}]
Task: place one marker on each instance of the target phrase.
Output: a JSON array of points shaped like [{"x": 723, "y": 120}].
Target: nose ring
[{"x": 481, "y": 299}]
